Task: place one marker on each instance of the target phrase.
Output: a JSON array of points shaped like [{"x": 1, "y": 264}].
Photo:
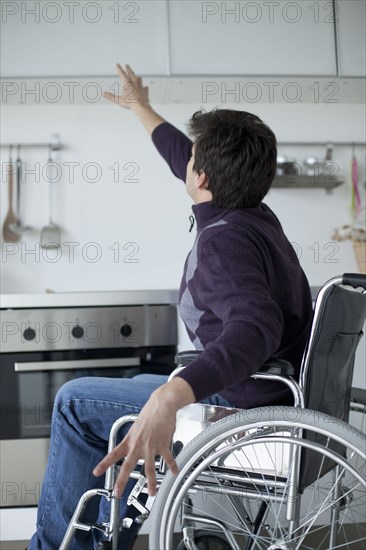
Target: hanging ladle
[{"x": 18, "y": 227}]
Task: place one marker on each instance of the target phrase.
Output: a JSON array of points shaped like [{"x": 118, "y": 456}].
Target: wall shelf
[
  {"x": 322, "y": 143},
  {"x": 319, "y": 181}
]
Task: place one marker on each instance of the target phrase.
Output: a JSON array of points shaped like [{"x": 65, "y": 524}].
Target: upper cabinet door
[
  {"x": 83, "y": 38},
  {"x": 252, "y": 38},
  {"x": 351, "y": 19}
]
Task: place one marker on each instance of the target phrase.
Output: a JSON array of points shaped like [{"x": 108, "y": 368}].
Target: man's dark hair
[{"x": 238, "y": 154}]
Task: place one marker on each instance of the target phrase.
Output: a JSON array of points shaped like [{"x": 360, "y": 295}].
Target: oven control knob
[
  {"x": 126, "y": 330},
  {"x": 77, "y": 331},
  {"x": 29, "y": 334}
]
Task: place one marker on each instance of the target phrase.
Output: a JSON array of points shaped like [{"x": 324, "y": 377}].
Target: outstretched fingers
[
  {"x": 149, "y": 469},
  {"x": 124, "y": 474},
  {"x": 111, "y": 96},
  {"x": 122, "y": 73},
  {"x": 130, "y": 74},
  {"x": 171, "y": 463},
  {"x": 110, "y": 459},
  {"x": 150, "y": 474}
]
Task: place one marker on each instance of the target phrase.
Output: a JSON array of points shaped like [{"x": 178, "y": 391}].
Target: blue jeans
[{"x": 83, "y": 414}]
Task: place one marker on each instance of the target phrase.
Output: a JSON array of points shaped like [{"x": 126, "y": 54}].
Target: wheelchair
[{"x": 270, "y": 478}]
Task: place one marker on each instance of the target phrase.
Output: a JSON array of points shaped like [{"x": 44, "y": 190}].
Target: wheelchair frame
[{"x": 272, "y": 370}]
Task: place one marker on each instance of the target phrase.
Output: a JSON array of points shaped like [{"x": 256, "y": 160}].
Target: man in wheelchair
[{"x": 243, "y": 298}]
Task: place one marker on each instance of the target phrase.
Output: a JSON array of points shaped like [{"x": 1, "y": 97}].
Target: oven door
[{"x": 28, "y": 386}]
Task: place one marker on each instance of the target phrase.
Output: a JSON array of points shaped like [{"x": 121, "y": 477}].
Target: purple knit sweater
[{"x": 243, "y": 298}]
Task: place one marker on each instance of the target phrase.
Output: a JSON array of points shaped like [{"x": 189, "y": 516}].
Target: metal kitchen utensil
[
  {"x": 281, "y": 160},
  {"x": 18, "y": 166},
  {"x": 9, "y": 235},
  {"x": 50, "y": 234},
  {"x": 312, "y": 165},
  {"x": 286, "y": 166},
  {"x": 18, "y": 227}
]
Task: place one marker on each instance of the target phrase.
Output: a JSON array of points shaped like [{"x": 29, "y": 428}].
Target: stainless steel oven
[{"x": 42, "y": 348}]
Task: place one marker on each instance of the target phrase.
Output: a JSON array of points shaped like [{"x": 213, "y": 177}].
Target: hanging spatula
[
  {"x": 9, "y": 235},
  {"x": 50, "y": 234}
]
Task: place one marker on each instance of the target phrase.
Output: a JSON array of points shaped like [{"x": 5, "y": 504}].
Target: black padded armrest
[
  {"x": 184, "y": 358},
  {"x": 278, "y": 366},
  {"x": 272, "y": 366},
  {"x": 358, "y": 395}
]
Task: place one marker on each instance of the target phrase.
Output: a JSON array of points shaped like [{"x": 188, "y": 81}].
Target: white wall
[{"x": 153, "y": 212}]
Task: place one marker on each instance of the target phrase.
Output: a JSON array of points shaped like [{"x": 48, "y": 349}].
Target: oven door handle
[{"x": 29, "y": 366}]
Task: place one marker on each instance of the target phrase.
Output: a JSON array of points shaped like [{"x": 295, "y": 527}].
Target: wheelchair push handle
[{"x": 354, "y": 279}]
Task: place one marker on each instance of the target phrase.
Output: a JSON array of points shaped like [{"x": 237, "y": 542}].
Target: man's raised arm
[{"x": 174, "y": 146}]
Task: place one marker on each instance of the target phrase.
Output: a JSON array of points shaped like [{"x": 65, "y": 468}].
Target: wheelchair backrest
[{"x": 327, "y": 369}]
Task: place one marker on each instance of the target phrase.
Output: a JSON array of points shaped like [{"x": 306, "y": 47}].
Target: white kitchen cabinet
[
  {"x": 351, "y": 22},
  {"x": 83, "y": 38},
  {"x": 252, "y": 38}
]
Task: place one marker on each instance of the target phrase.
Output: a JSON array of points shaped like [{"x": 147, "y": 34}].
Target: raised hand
[{"x": 133, "y": 93}]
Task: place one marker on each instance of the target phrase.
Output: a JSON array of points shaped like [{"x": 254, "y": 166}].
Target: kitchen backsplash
[{"x": 124, "y": 217}]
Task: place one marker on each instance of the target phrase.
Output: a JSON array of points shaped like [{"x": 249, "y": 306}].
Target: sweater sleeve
[
  {"x": 230, "y": 283},
  {"x": 174, "y": 146}
]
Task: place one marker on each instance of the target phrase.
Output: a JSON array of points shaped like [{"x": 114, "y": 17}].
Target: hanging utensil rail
[{"x": 52, "y": 146}]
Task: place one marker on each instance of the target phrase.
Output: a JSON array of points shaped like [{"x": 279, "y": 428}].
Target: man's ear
[{"x": 202, "y": 181}]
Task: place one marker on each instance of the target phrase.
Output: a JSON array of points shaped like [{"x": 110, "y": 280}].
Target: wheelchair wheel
[
  {"x": 207, "y": 541},
  {"x": 274, "y": 478}
]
